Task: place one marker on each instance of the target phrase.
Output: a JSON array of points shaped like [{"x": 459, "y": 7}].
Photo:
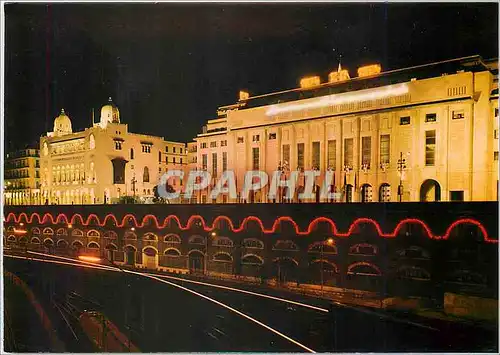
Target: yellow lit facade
[
  {"x": 433, "y": 129},
  {"x": 22, "y": 178},
  {"x": 105, "y": 162}
]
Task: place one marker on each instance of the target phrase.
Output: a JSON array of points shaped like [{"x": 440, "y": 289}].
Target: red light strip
[{"x": 62, "y": 218}]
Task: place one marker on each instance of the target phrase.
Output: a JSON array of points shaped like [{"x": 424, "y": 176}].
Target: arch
[
  {"x": 285, "y": 245},
  {"x": 145, "y": 174},
  {"x": 35, "y": 240},
  {"x": 223, "y": 242},
  {"x": 172, "y": 252},
  {"x": 366, "y": 192},
  {"x": 172, "y": 238},
  {"x": 61, "y": 231},
  {"x": 93, "y": 233},
  {"x": 77, "y": 233},
  {"x": 285, "y": 258},
  {"x": 23, "y": 240},
  {"x": 430, "y": 190},
  {"x": 196, "y": 239},
  {"x": 326, "y": 262},
  {"x": 384, "y": 192},
  {"x": 327, "y": 249},
  {"x": 363, "y": 249},
  {"x": 61, "y": 243},
  {"x": 93, "y": 245},
  {"x": 196, "y": 261},
  {"x": 110, "y": 235},
  {"x": 11, "y": 228},
  {"x": 223, "y": 257},
  {"x": 76, "y": 244},
  {"x": 48, "y": 242},
  {"x": 48, "y": 231},
  {"x": 130, "y": 235},
  {"x": 11, "y": 238},
  {"x": 253, "y": 243},
  {"x": 35, "y": 231},
  {"x": 150, "y": 250},
  {"x": 414, "y": 252},
  {"x": 150, "y": 236},
  {"x": 365, "y": 269},
  {"x": 413, "y": 273},
  {"x": 111, "y": 246},
  {"x": 348, "y": 193},
  {"x": 130, "y": 252},
  {"x": 252, "y": 259}
]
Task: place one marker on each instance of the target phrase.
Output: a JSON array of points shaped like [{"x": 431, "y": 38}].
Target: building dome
[
  {"x": 62, "y": 124},
  {"x": 109, "y": 113}
]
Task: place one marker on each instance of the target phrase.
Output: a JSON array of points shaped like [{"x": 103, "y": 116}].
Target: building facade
[
  {"x": 426, "y": 133},
  {"x": 105, "y": 162},
  {"x": 22, "y": 178}
]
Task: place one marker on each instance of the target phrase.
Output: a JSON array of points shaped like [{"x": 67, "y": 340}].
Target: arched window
[
  {"x": 77, "y": 233},
  {"x": 150, "y": 236},
  {"x": 252, "y": 259},
  {"x": 93, "y": 233},
  {"x": 223, "y": 242},
  {"x": 61, "y": 243},
  {"x": 366, "y": 193},
  {"x": 172, "y": 238},
  {"x": 61, "y": 231},
  {"x": 285, "y": 245},
  {"x": 145, "y": 175},
  {"x": 363, "y": 249},
  {"x": 172, "y": 252},
  {"x": 385, "y": 193},
  {"x": 48, "y": 231},
  {"x": 253, "y": 243},
  {"x": 131, "y": 153},
  {"x": 10, "y": 228},
  {"x": 35, "y": 240},
  {"x": 197, "y": 239},
  {"x": 35, "y": 231},
  {"x": 414, "y": 252},
  {"x": 93, "y": 245},
  {"x": 130, "y": 235},
  {"x": 11, "y": 238},
  {"x": 363, "y": 269},
  {"x": 322, "y": 247},
  {"x": 223, "y": 257},
  {"x": 110, "y": 235}
]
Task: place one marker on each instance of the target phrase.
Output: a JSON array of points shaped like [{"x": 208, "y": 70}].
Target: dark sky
[{"x": 169, "y": 66}]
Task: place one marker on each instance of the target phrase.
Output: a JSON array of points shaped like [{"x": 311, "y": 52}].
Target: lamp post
[
  {"x": 329, "y": 241},
  {"x": 401, "y": 169}
]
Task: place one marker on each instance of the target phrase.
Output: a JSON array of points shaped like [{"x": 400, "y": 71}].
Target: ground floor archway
[
  {"x": 430, "y": 191},
  {"x": 150, "y": 258},
  {"x": 196, "y": 260},
  {"x": 130, "y": 252}
]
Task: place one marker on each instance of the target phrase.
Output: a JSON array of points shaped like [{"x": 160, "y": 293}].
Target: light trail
[{"x": 60, "y": 262}]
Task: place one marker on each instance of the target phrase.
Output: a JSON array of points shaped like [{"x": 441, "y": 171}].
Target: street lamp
[
  {"x": 329, "y": 242},
  {"x": 401, "y": 169}
]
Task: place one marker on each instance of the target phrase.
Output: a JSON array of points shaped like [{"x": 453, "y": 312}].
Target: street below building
[{"x": 172, "y": 315}]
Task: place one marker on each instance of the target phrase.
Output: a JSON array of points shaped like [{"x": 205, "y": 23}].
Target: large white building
[
  {"x": 104, "y": 162},
  {"x": 433, "y": 129}
]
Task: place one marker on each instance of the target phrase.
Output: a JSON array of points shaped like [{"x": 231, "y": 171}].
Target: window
[
  {"x": 131, "y": 153},
  {"x": 203, "y": 145},
  {"x": 255, "y": 158},
  {"x": 240, "y": 140},
  {"x": 256, "y": 138},
  {"x": 180, "y": 150},
  {"x": 214, "y": 164},
  {"x": 404, "y": 120},
  {"x": 159, "y": 156},
  {"x": 223, "y": 143},
  {"x": 224, "y": 161},
  {"x": 430, "y": 117},
  {"x": 146, "y": 148},
  {"x": 166, "y": 149},
  {"x": 174, "y": 149},
  {"x": 332, "y": 154},
  {"x": 348, "y": 152},
  {"x": 213, "y": 144},
  {"x": 456, "y": 195},
  {"x": 385, "y": 149},
  {"x": 300, "y": 155},
  {"x": 366, "y": 151},
  {"x": 272, "y": 136},
  {"x": 181, "y": 161},
  {"x": 173, "y": 160},
  {"x": 204, "y": 161},
  {"x": 159, "y": 169},
  {"x": 118, "y": 145},
  {"x": 495, "y": 156},
  {"x": 457, "y": 115},
  {"x": 496, "y": 112},
  {"x": 166, "y": 160},
  {"x": 430, "y": 148},
  {"x": 385, "y": 193},
  {"x": 145, "y": 175},
  {"x": 286, "y": 153},
  {"x": 315, "y": 155},
  {"x": 495, "y": 134}
]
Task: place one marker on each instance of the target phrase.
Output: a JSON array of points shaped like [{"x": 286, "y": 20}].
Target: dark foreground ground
[{"x": 159, "y": 317}]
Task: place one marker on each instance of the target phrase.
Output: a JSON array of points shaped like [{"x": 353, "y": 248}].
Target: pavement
[{"x": 176, "y": 315}]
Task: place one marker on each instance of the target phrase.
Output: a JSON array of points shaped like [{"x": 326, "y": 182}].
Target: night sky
[{"x": 169, "y": 66}]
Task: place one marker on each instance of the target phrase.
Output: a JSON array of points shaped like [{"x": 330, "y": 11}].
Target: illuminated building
[
  {"x": 424, "y": 133},
  {"x": 22, "y": 178},
  {"x": 103, "y": 163}
]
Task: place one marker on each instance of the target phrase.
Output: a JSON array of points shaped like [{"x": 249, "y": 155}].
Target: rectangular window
[
  {"x": 315, "y": 155},
  {"x": 255, "y": 158},
  {"x": 332, "y": 154},
  {"x": 256, "y": 138},
  {"x": 286, "y": 153},
  {"x": 430, "y": 148},
  {"x": 166, "y": 149},
  {"x": 174, "y": 149},
  {"x": 146, "y": 148},
  {"x": 272, "y": 136},
  {"x": 496, "y": 112},
  {"x": 118, "y": 145},
  {"x": 181, "y": 161},
  {"x": 456, "y": 195},
  {"x": 300, "y": 155},
  {"x": 430, "y": 117},
  {"x": 173, "y": 160},
  {"x": 204, "y": 161},
  {"x": 385, "y": 149},
  {"x": 166, "y": 160},
  {"x": 214, "y": 164},
  {"x": 224, "y": 161},
  {"x": 495, "y": 155},
  {"x": 366, "y": 151},
  {"x": 240, "y": 140},
  {"x": 203, "y": 145},
  {"x": 404, "y": 120},
  {"x": 348, "y": 152},
  {"x": 495, "y": 134},
  {"x": 223, "y": 143},
  {"x": 457, "y": 115},
  {"x": 213, "y": 144}
]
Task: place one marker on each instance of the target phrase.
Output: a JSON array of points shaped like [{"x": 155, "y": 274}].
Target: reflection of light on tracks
[{"x": 80, "y": 263}]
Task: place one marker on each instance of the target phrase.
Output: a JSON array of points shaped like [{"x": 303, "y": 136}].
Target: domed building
[
  {"x": 105, "y": 162},
  {"x": 62, "y": 125}
]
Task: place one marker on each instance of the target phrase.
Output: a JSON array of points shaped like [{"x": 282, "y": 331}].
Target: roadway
[{"x": 162, "y": 314}]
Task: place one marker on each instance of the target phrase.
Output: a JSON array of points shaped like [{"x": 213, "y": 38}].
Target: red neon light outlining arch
[
  {"x": 362, "y": 263},
  {"x": 62, "y": 218}
]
